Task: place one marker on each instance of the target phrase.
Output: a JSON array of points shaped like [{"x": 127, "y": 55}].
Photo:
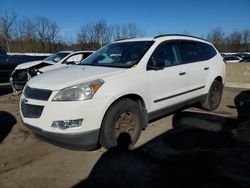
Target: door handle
[
  {"x": 182, "y": 73},
  {"x": 206, "y": 68}
]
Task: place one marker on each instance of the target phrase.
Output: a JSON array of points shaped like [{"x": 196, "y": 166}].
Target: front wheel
[
  {"x": 124, "y": 116},
  {"x": 213, "y": 98}
]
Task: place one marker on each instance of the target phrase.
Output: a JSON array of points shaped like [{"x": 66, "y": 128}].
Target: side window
[
  {"x": 207, "y": 50},
  {"x": 165, "y": 55},
  {"x": 85, "y": 55},
  {"x": 75, "y": 58},
  {"x": 189, "y": 51},
  {"x": 2, "y": 52}
]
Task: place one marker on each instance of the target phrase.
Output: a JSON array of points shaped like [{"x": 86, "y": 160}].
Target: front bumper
[
  {"x": 39, "y": 115},
  {"x": 18, "y": 80},
  {"x": 86, "y": 141}
]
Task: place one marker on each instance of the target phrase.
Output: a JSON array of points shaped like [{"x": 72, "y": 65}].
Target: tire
[
  {"x": 124, "y": 116},
  {"x": 213, "y": 98}
]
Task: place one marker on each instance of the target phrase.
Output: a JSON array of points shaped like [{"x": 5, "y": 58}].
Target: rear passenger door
[
  {"x": 167, "y": 78},
  {"x": 196, "y": 67}
]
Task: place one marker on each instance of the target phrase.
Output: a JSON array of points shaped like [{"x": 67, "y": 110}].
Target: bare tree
[
  {"x": 24, "y": 36},
  {"x": 53, "y": 35},
  {"x": 43, "y": 35},
  {"x": 94, "y": 35},
  {"x": 42, "y": 31},
  {"x": 47, "y": 33},
  {"x": 29, "y": 35},
  {"x": 86, "y": 37},
  {"x": 246, "y": 39},
  {"x": 17, "y": 36},
  {"x": 234, "y": 42},
  {"x": 102, "y": 32},
  {"x": 121, "y": 31},
  {"x": 134, "y": 31},
  {"x": 216, "y": 37},
  {"x": 7, "y": 21}
]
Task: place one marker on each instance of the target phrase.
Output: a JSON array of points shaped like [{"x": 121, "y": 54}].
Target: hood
[
  {"x": 49, "y": 68},
  {"x": 71, "y": 75},
  {"x": 32, "y": 63}
]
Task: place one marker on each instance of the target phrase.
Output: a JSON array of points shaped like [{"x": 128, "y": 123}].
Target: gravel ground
[{"x": 192, "y": 148}]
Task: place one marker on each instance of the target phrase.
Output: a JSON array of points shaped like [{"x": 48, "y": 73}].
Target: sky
[{"x": 194, "y": 17}]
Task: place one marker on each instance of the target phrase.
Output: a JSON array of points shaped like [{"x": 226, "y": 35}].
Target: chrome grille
[
  {"x": 31, "y": 111},
  {"x": 38, "y": 94}
]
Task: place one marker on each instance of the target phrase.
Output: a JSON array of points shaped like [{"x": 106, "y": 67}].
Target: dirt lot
[{"x": 192, "y": 148}]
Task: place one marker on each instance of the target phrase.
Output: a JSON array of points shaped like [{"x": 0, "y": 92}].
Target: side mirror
[
  {"x": 156, "y": 64},
  {"x": 70, "y": 63}
]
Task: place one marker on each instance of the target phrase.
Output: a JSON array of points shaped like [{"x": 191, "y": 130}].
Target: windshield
[
  {"x": 121, "y": 55},
  {"x": 57, "y": 57}
]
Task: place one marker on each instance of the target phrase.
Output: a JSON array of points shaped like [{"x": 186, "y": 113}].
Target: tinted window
[
  {"x": 207, "y": 51},
  {"x": 189, "y": 51},
  {"x": 2, "y": 52},
  {"x": 86, "y": 54},
  {"x": 165, "y": 55},
  {"x": 3, "y": 56},
  {"x": 227, "y": 58}
]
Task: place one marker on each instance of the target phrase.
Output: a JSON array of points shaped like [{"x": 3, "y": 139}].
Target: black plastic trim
[
  {"x": 31, "y": 111},
  {"x": 171, "y": 109},
  {"x": 176, "y": 95},
  {"x": 84, "y": 141},
  {"x": 37, "y": 94}
]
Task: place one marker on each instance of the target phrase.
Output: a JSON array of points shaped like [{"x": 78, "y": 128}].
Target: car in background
[
  {"x": 8, "y": 62},
  {"x": 25, "y": 71},
  {"x": 72, "y": 59},
  {"x": 231, "y": 58},
  {"x": 243, "y": 55},
  {"x": 245, "y": 60}
]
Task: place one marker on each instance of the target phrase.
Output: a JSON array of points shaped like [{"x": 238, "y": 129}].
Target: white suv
[{"x": 122, "y": 86}]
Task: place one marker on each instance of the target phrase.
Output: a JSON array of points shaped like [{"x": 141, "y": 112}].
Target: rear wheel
[
  {"x": 125, "y": 116},
  {"x": 213, "y": 98}
]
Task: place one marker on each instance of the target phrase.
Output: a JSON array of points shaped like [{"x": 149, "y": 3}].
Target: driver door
[{"x": 167, "y": 78}]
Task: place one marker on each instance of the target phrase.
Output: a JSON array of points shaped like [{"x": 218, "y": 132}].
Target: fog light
[{"x": 67, "y": 124}]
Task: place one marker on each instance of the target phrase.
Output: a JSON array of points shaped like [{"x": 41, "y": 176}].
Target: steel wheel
[
  {"x": 124, "y": 116},
  {"x": 213, "y": 98},
  {"x": 126, "y": 123}
]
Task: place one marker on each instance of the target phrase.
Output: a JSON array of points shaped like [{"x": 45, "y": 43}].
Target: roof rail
[
  {"x": 124, "y": 39},
  {"x": 182, "y": 35}
]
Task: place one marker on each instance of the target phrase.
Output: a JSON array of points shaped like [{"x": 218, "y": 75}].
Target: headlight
[
  {"x": 37, "y": 71},
  {"x": 80, "y": 92}
]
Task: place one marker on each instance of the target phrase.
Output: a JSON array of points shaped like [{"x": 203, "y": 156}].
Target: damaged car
[
  {"x": 120, "y": 88},
  {"x": 23, "y": 72}
]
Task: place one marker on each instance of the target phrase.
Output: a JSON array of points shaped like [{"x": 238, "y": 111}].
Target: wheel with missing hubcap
[
  {"x": 123, "y": 117},
  {"x": 213, "y": 98}
]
